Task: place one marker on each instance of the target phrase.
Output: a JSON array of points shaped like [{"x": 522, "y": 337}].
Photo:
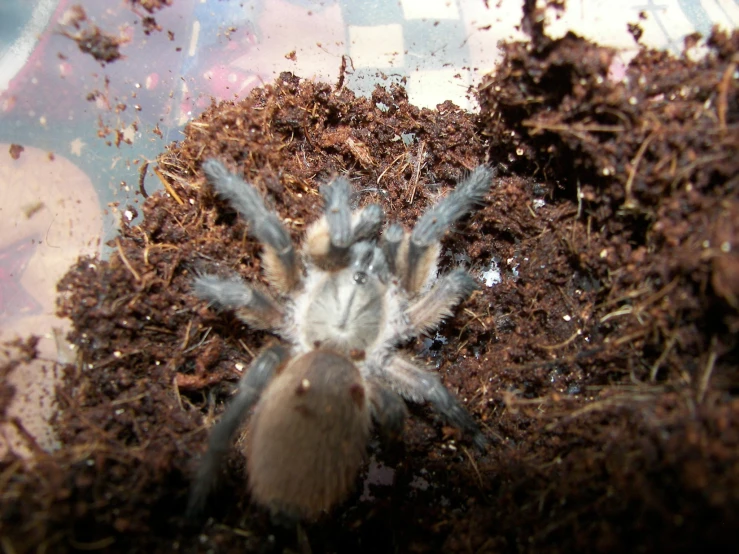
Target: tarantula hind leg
[
  {"x": 251, "y": 386},
  {"x": 389, "y": 412},
  {"x": 281, "y": 265},
  {"x": 419, "y": 385}
]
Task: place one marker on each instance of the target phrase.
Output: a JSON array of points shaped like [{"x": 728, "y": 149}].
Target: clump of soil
[
  {"x": 15, "y": 151},
  {"x": 599, "y": 353},
  {"x": 150, "y": 6},
  {"x": 91, "y": 39},
  {"x": 148, "y": 22},
  {"x": 645, "y": 168}
]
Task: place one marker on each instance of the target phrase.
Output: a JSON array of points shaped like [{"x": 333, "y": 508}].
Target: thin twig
[
  {"x": 142, "y": 178},
  {"x": 562, "y": 344},
  {"x": 417, "y": 171},
  {"x": 28, "y": 438},
  {"x": 168, "y": 186},
  {"x": 708, "y": 370},
  {"x": 186, "y": 340},
  {"x": 629, "y": 203},
  {"x": 539, "y": 126},
  {"x": 389, "y": 166},
  {"x": 248, "y": 350},
  {"x": 474, "y": 465},
  {"x": 662, "y": 357},
  {"x": 722, "y": 104},
  {"x": 474, "y": 316},
  {"x": 628, "y": 338},
  {"x": 96, "y": 545},
  {"x": 177, "y": 393},
  {"x": 202, "y": 340},
  {"x": 601, "y": 405},
  {"x": 125, "y": 261},
  {"x": 120, "y": 401}
]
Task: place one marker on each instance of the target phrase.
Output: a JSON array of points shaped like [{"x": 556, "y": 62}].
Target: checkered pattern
[{"x": 423, "y": 44}]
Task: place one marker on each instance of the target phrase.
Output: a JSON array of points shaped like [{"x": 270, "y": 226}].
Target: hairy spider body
[
  {"x": 318, "y": 408},
  {"x": 343, "y": 308}
]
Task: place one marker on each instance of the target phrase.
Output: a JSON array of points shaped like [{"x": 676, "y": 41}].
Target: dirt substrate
[{"x": 599, "y": 354}]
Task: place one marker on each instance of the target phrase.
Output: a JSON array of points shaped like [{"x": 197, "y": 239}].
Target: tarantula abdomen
[{"x": 318, "y": 408}]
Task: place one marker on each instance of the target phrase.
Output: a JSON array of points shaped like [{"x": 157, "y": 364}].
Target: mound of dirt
[{"x": 599, "y": 354}]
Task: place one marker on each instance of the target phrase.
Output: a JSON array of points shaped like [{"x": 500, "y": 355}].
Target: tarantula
[{"x": 342, "y": 308}]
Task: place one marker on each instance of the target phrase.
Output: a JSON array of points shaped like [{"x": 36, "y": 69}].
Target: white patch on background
[
  {"x": 364, "y": 41},
  {"x": 492, "y": 276}
]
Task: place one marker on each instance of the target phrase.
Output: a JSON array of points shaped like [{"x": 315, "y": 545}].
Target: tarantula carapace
[{"x": 343, "y": 306}]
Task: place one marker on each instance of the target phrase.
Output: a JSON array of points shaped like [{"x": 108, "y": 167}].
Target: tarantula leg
[
  {"x": 366, "y": 224},
  {"x": 367, "y": 258},
  {"x": 431, "y": 308},
  {"x": 388, "y": 410},
  {"x": 281, "y": 265},
  {"x": 251, "y": 386},
  {"x": 328, "y": 240},
  {"x": 418, "y": 385},
  {"x": 337, "y": 211},
  {"x": 392, "y": 239},
  {"x": 252, "y": 306},
  {"x": 430, "y": 228}
]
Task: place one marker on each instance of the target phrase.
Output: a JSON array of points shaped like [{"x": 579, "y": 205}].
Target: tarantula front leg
[
  {"x": 431, "y": 308},
  {"x": 281, "y": 266},
  {"x": 418, "y": 385},
  {"x": 393, "y": 239},
  {"x": 256, "y": 308},
  {"x": 252, "y": 384},
  {"x": 366, "y": 223},
  {"x": 329, "y": 239},
  {"x": 416, "y": 258}
]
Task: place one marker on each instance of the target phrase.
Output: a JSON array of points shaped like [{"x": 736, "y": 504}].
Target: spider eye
[{"x": 360, "y": 277}]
